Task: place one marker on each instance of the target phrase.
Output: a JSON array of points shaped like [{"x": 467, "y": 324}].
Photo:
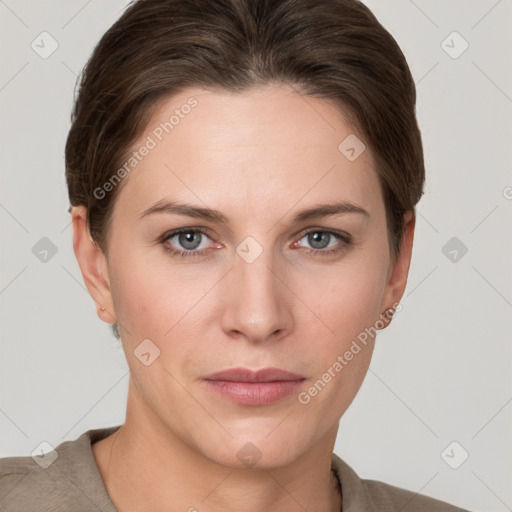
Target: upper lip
[{"x": 247, "y": 375}]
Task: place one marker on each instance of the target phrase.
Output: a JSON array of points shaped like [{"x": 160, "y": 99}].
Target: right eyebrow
[{"x": 177, "y": 208}]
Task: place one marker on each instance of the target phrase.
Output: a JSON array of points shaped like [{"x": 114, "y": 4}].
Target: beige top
[{"x": 73, "y": 483}]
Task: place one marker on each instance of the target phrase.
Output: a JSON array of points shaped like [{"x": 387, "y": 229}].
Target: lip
[
  {"x": 248, "y": 387},
  {"x": 247, "y": 375}
]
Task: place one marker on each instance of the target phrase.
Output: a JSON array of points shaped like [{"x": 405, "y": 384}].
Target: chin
[{"x": 256, "y": 447}]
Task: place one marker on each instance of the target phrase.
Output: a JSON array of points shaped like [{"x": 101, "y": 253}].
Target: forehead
[{"x": 258, "y": 147}]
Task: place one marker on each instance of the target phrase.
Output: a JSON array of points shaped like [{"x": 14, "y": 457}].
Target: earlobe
[
  {"x": 92, "y": 263},
  {"x": 399, "y": 271}
]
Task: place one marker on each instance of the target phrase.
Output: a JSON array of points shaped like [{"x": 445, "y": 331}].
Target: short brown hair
[{"x": 334, "y": 49}]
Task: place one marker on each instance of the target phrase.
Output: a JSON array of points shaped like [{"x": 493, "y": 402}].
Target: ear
[
  {"x": 93, "y": 265},
  {"x": 398, "y": 271}
]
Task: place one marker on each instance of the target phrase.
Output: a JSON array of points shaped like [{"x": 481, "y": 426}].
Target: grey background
[{"x": 440, "y": 373}]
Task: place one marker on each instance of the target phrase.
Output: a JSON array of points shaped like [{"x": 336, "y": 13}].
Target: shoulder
[
  {"x": 64, "y": 479},
  {"x": 27, "y": 486},
  {"x": 397, "y": 499},
  {"x": 370, "y": 495},
  {"x": 23, "y": 487}
]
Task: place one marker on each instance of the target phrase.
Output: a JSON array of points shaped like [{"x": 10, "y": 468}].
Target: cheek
[
  {"x": 347, "y": 298},
  {"x": 158, "y": 299},
  {"x": 137, "y": 296},
  {"x": 348, "y": 305}
]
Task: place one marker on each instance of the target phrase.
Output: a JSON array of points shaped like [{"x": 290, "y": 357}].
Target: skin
[{"x": 258, "y": 157}]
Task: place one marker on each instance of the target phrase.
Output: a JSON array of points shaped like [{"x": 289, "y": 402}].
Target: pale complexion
[{"x": 259, "y": 158}]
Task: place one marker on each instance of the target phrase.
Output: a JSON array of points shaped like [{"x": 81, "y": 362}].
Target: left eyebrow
[
  {"x": 324, "y": 210},
  {"x": 208, "y": 214}
]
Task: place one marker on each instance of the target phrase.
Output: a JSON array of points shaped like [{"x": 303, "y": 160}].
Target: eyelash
[{"x": 345, "y": 238}]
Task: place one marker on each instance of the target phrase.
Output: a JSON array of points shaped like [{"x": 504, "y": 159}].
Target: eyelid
[
  {"x": 186, "y": 229},
  {"x": 182, "y": 252},
  {"x": 314, "y": 229},
  {"x": 344, "y": 242},
  {"x": 344, "y": 238},
  {"x": 202, "y": 229}
]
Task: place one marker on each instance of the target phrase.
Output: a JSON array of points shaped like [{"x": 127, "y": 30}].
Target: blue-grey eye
[
  {"x": 189, "y": 240},
  {"x": 319, "y": 239}
]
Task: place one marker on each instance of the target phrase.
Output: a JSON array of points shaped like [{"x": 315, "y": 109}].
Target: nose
[{"x": 258, "y": 303}]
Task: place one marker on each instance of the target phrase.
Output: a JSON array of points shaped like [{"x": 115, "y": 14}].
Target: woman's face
[{"x": 242, "y": 286}]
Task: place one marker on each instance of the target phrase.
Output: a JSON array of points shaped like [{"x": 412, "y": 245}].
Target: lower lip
[{"x": 255, "y": 393}]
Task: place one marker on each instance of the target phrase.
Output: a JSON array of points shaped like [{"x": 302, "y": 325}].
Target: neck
[{"x": 147, "y": 467}]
